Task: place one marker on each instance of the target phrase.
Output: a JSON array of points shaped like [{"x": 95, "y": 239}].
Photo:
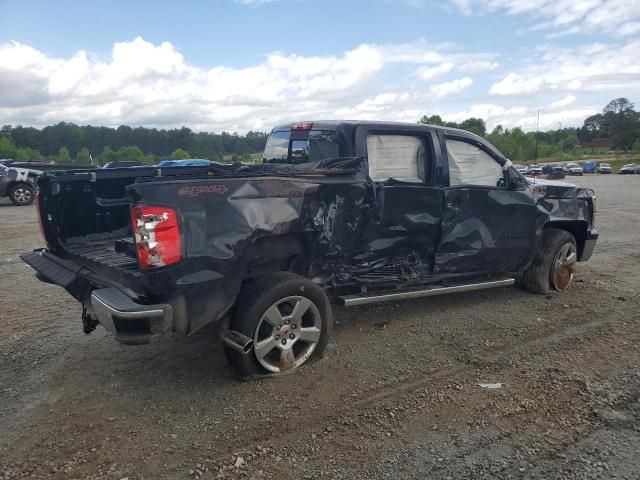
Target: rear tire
[
  {"x": 552, "y": 269},
  {"x": 21, "y": 194},
  {"x": 289, "y": 319}
]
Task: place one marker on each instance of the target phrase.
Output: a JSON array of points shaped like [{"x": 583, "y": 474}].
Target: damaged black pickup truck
[{"x": 339, "y": 212}]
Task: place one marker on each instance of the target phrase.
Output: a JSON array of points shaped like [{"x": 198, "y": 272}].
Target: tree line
[
  {"x": 617, "y": 127},
  {"x": 67, "y": 143}
]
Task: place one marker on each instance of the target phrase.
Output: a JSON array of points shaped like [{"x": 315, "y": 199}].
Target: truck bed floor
[{"x": 103, "y": 253}]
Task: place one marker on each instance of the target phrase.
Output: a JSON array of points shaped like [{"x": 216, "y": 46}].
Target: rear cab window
[
  {"x": 301, "y": 146},
  {"x": 401, "y": 157}
]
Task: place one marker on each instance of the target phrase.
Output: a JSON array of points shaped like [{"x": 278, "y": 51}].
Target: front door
[{"x": 487, "y": 225}]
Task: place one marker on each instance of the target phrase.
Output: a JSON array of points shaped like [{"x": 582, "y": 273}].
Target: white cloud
[
  {"x": 516, "y": 84},
  {"x": 564, "y": 17},
  {"x": 427, "y": 73},
  {"x": 449, "y": 88},
  {"x": 563, "y": 102},
  {"x": 463, "y": 6},
  {"x": 141, "y": 83},
  {"x": 593, "y": 67},
  {"x": 153, "y": 84}
]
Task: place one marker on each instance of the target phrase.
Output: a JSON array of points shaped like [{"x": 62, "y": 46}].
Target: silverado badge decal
[{"x": 195, "y": 190}]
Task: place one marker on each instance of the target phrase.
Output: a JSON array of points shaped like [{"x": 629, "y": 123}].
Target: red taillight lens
[
  {"x": 302, "y": 126},
  {"x": 157, "y": 236}
]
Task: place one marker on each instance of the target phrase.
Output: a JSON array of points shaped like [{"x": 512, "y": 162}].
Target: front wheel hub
[{"x": 563, "y": 265}]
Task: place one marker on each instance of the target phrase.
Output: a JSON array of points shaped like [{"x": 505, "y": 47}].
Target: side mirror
[{"x": 516, "y": 180}]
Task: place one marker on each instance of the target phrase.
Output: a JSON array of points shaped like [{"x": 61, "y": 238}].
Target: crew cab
[{"x": 339, "y": 212}]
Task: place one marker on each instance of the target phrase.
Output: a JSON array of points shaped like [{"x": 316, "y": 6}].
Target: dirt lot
[{"x": 396, "y": 397}]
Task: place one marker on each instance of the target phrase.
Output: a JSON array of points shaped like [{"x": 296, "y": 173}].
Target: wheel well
[
  {"x": 577, "y": 228},
  {"x": 275, "y": 253},
  {"x": 15, "y": 184}
]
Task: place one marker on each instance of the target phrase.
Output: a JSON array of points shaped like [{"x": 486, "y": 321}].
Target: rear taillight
[
  {"x": 302, "y": 126},
  {"x": 157, "y": 236}
]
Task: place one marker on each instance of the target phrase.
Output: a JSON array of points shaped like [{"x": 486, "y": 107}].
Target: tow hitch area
[{"x": 89, "y": 324}]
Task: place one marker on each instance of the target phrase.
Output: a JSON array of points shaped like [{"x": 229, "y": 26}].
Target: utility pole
[{"x": 537, "y": 124}]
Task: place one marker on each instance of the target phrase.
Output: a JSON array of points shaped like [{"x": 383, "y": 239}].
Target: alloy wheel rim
[
  {"x": 22, "y": 195},
  {"x": 287, "y": 334},
  {"x": 563, "y": 266}
]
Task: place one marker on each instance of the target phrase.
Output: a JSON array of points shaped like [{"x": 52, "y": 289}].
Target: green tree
[
  {"x": 432, "y": 120},
  {"x": 570, "y": 142},
  {"x": 106, "y": 155},
  {"x": 622, "y": 122},
  {"x": 474, "y": 125},
  {"x": 63, "y": 155},
  {"x": 180, "y": 154},
  {"x": 7, "y": 148},
  {"x": 131, "y": 153},
  {"x": 83, "y": 157},
  {"x": 27, "y": 154}
]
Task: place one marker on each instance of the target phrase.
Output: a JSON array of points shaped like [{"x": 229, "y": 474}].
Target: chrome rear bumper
[{"x": 130, "y": 322}]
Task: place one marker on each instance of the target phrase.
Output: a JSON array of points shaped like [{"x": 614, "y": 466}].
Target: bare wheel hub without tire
[
  {"x": 287, "y": 334},
  {"x": 563, "y": 265},
  {"x": 22, "y": 195}
]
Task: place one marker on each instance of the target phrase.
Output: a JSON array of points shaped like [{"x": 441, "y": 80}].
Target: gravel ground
[{"x": 397, "y": 396}]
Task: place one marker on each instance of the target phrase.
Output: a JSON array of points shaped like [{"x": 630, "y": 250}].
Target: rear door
[
  {"x": 488, "y": 222},
  {"x": 408, "y": 197}
]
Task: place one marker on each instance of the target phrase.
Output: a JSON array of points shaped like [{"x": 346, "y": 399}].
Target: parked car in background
[
  {"x": 521, "y": 168},
  {"x": 604, "y": 168},
  {"x": 19, "y": 184},
  {"x": 589, "y": 166},
  {"x": 125, "y": 164},
  {"x": 552, "y": 167},
  {"x": 553, "y": 171},
  {"x": 41, "y": 165},
  {"x": 629, "y": 168},
  {"x": 32, "y": 164},
  {"x": 572, "y": 169},
  {"x": 534, "y": 170},
  {"x": 188, "y": 162}
]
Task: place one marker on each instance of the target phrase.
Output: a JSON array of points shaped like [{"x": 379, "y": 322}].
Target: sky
[{"x": 240, "y": 65}]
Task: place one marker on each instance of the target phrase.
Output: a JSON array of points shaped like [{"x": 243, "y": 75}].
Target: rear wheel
[
  {"x": 289, "y": 319},
  {"x": 21, "y": 194},
  {"x": 553, "y": 267}
]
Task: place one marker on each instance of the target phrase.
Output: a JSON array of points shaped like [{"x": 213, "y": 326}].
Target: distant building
[{"x": 595, "y": 143}]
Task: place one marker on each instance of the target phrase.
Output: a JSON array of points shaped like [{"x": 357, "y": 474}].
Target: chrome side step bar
[{"x": 363, "y": 299}]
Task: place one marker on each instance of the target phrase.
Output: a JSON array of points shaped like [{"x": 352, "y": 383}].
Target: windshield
[
  {"x": 572, "y": 165},
  {"x": 301, "y": 146}
]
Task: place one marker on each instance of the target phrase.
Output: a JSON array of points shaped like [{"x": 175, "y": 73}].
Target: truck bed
[{"x": 104, "y": 254}]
